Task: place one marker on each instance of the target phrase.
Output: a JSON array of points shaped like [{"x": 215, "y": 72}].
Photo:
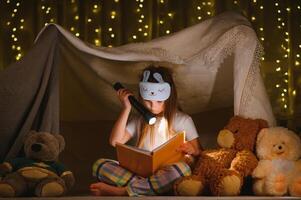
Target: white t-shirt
[{"x": 182, "y": 122}]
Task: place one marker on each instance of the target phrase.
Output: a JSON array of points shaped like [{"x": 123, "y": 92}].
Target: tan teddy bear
[
  {"x": 222, "y": 171},
  {"x": 38, "y": 172},
  {"x": 279, "y": 168}
]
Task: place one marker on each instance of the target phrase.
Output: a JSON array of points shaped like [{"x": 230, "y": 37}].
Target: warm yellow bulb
[
  {"x": 21, "y": 27},
  {"x": 21, "y": 20},
  {"x": 43, "y": 7},
  {"x": 277, "y": 85},
  {"x": 261, "y": 7},
  {"x": 142, "y": 16},
  {"x": 261, "y": 29},
  {"x": 199, "y": 7},
  {"x": 97, "y": 30},
  {"x": 282, "y": 94},
  {"x": 208, "y": 13},
  {"x": 145, "y": 34},
  {"x": 77, "y": 34},
  {"x": 72, "y": 29},
  {"x": 97, "y": 42},
  {"x": 288, "y": 50},
  {"x": 112, "y": 35},
  {"x": 288, "y": 9},
  {"x": 14, "y": 29},
  {"x": 284, "y": 90},
  {"x": 139, "y": 29},
  {"x": 13, "y": 15},
  {"x": 278, "y": 69},
  {"x": 161, "y": 1},
  {"x": 141, "y": 5},
  {"x": 89, "y": 20},
  {"x": 209, "y": 3},
  {"x": 169, "y": 14},
  {"x": 167, "y": 31},
  {"x": 15, "y": 39},
  {"x": 95, "y": 6},
  {"x": 279, "y": 11},
  {"x": 116, "y": 1},
  {"x": 283, "y": 99},
  {"x": 146, "y": 26},
  {"x": 300, "y": 46},
  {"x": 277, "y": 61},
  {"x": 15, "y": 10},
  {"x": 299, "y": 7},
  {"x": 285, "y": 106},
  {"x": 161, "y": 21},
  {"x": 297, "y": 63},
  {"x": 76, "y": 17},
  {"x": 285, "y": 73},
  {"x": 199, "y": 17},
  {"x": 46, "y": 24},
  {"x": 7, "y": 1},
  {"x": 134, "y": 37},
  {"x": 7, "y": 23},
  {"x": 13, "y": 47},
  {"x": 235, "y": 2},
  {"x": 262, "y": 38},
  {"x": 140, "y": 20},
  {"x": 18, "y": 48},
  {"x": 253, "y": 18},
  {"x": 276, "y": 4},
  {"x": 262, "y": 58},
  {"x": 298, "y": 55},
  {"x": 294, "y": 92},
  {"x": 110, "y": 29}
]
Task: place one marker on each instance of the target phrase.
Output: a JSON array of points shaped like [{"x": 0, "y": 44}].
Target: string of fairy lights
[
  {"x": 105, "y": 31},
  {"x": 15, "y": 27}
]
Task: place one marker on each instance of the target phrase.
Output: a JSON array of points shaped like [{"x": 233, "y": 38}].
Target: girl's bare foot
[{"x": 103, "y": 189}]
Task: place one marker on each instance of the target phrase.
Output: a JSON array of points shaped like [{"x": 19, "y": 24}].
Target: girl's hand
[
  {"x": 187, "y": 148},
  {"x": 123, "y": 95}
]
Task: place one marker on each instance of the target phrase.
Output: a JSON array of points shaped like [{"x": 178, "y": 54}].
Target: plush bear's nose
[
  {"x": 279, "y": 147},
  {"x": 36, "y": 147}
]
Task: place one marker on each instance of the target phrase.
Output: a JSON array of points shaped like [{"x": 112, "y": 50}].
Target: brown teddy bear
[
  {"x": 38, "y": 172},
  {"x": 222, "y": 171},
  {"x": 279, "y": 169}
]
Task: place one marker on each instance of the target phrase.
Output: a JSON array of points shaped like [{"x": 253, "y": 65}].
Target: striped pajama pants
[{"x": 110, "y": 172}]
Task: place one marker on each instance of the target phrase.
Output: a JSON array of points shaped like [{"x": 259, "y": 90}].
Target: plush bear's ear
[
  {"x": 61, "y": 141},
  {"x": 261, "y": 134},
  {"x": 31, "y": 133}
]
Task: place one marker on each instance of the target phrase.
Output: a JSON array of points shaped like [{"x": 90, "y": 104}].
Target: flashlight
[{"x": 149, "y": 117}]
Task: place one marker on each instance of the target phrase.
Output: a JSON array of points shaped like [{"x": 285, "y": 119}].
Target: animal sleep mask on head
[{"x": 154, "y": 91}]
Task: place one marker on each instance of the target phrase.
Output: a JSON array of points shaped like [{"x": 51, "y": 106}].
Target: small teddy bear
[
  {"x": 38, "y": 172},
  {"x": 222, "y": 171},
  {"x": 279, "y": 168}
]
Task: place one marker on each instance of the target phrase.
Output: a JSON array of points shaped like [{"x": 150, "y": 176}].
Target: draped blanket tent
[{"x": 215, "y": 64}]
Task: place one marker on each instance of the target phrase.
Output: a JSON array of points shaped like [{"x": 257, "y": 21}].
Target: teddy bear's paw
[
  {"x": 277, "y": 186},
  {"x": 6, "y": 190},
  {"x": 230, "y": 185},
  {"x": 50, "y": 189},
  {"x": 295, "y": 187},
  {"x": 189, "y": 187}
]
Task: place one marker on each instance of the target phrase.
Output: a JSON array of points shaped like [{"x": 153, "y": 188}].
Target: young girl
[{"x": 115, "y": 180}]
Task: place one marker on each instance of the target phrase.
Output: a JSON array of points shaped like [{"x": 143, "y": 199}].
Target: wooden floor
[{"x": 160, "y": 198}]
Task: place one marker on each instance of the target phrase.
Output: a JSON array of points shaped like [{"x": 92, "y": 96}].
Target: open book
[{"x": 145, "y": 163}]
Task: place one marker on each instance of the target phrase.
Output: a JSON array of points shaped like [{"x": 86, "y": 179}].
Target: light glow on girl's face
[{"x": 156, "y": 107}]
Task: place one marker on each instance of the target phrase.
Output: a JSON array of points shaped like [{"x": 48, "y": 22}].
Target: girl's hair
[{"x": 170, "y": 105}]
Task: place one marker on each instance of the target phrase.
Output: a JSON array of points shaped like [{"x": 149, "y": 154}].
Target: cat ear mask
[{"x": 154, "y": 91}]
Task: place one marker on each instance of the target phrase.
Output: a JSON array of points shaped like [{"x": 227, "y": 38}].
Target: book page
[{"x": 167, "y": 154}]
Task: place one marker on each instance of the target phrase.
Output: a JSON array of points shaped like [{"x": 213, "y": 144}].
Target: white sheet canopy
[{"x": 215, "y": 64}]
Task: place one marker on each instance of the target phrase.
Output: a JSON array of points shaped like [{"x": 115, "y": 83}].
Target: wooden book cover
[{"x": 145, "y": 163}]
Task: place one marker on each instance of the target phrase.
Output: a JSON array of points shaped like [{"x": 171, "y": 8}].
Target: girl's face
[{"x": 156, "y": 107}]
